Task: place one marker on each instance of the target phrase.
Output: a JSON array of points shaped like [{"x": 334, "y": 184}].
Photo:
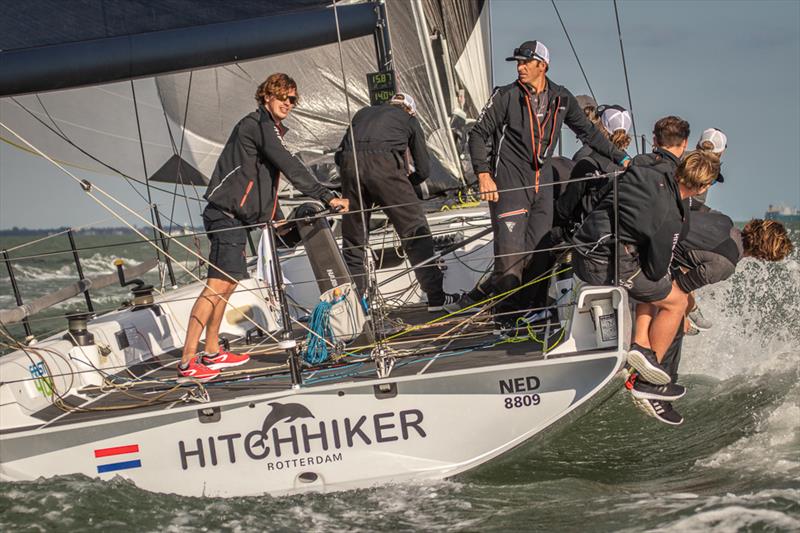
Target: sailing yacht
[{"x": 150, "y": 98}]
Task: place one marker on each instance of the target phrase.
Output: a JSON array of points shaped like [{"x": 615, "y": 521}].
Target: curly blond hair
[
  {"x": 278, "y": 84},
  {"x": 766, "y": 239}
]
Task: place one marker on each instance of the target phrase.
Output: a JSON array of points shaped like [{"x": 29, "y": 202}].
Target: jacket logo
[
  {"x": 488, "y": 104},
  {"x": 510, "y": 225}
]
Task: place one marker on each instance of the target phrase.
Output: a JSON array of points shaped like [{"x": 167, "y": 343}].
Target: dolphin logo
[{"x": 284, "y": 412}]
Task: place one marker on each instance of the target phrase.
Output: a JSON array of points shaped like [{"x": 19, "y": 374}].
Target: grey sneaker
[
  {"x": 698, "y": 321},
  {"x": 661, "y": 411},
  {"x": 644, "y": 361},
  {"x": 647, "y": 391},
  {"x": 446, "y": 302}
]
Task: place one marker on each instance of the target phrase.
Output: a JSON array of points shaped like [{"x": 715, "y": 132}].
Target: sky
[{"x": 734, "y": 65}]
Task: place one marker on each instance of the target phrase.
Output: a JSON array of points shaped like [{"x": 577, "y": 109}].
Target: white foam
[
  {"x": 733, "y": 519},
  {"x": 771, "y": 449},
  {"x": 755, "y": 315}
]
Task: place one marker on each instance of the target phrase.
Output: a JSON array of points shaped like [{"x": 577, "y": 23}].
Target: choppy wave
[
  {"x": 733, "y": 466},
  {"x": 95, "y": 264}
]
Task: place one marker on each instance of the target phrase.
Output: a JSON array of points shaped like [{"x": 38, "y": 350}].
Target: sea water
[{"x": 734, "y": 465}]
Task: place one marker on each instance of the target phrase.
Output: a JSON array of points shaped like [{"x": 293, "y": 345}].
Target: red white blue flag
[{"x": 124, "y": 455}]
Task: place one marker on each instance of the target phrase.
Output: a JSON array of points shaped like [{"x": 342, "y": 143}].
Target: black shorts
[
  {"x": 639, "y": 286},
  {"x": 226, "y": 259}
]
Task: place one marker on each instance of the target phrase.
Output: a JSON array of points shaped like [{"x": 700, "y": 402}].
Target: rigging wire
[
  {"x": 144, "y": 168},
  {"x": 573, "y": 50},
  {"x": 179, "y": 153},
  {"x": 89, "y": 187},
  {"x": 371, "y": 288},
  {"x": 627, "y": 82},
  {"x": 81, "y": 150}
]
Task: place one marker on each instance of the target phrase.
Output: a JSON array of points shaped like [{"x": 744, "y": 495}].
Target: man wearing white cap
[
  {"x": 511, "y": 145},
  {"x": 384, "y": 136}
]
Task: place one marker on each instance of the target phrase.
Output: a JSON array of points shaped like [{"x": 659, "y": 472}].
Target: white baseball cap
[
  {"x": 616, "y": 118},
  {"x": 406, "y": 100},
  {"x": 715, "y": 137}
]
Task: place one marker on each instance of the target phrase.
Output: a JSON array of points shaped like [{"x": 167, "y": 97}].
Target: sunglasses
[
  {"x": 294, "y": 100},
  {"x": 527, "y": 53}
]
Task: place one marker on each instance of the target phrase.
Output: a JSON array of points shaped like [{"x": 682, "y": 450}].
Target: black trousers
[
  {"x": 673, "y": 356},
  {"x": 520, "y": 220},
  {"x": 384, "y": 183}
]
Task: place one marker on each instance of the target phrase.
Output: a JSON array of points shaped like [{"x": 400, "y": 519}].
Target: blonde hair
[
  {"x": 278, "y": 85},
  {"x": 766, "y": 239},
  {"x": 620, "y": 139},
  {"x": 706, "y": 146},
  {"x": 699, "y": 169}
]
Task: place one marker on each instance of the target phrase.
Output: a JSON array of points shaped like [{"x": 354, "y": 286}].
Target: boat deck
[{"x": 420, "y": 347}]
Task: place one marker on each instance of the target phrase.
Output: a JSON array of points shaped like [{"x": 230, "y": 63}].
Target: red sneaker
[
  {"x": 197, "y": 370},
  {"x": 224, "y": 360}
]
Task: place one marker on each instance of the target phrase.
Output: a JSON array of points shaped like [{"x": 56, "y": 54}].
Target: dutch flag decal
[{"x": 124, "y": 454}]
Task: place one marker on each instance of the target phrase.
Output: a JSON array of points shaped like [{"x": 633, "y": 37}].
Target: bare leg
[
  {"x": 671, "y": 312},
  {"x": 212, "y": 328},
  {"x": 202, "y": 312},
  {"x": 645, "y": 312}
]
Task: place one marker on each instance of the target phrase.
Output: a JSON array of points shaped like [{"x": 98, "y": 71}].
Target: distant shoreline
[{"x": 25, "y": 232}]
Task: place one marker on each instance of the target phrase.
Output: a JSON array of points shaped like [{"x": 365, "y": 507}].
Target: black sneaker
[
  {"x": 659, "y": 410},
  {"x": 647, "y": 391},
  {"x": 446, "y": 302},
  {"x": 644, "y": 361}
]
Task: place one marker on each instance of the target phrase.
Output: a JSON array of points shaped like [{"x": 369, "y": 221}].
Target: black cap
[{"x": 531, "y": 50}]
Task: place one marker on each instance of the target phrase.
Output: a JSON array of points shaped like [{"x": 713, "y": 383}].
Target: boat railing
[{"x": 162, "y": 242}]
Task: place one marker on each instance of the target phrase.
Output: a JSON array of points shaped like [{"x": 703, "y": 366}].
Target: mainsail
[{"x": 171, "y": 122}]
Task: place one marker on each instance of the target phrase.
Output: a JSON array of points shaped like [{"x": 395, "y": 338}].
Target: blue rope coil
[{"x": 320, "y": 325}]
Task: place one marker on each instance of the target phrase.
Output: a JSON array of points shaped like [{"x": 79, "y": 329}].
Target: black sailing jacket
[
  {"x": 245, "y": 180},
  {"x": 580, "y": 197},
  {"x": 510, "y": 142},
  {"x": 651, "y": 214},
  {"x": 709, "y": 252},
  {"x": 387, "y": 128}
]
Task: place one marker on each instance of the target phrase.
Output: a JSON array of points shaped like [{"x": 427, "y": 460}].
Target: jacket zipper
[
  {"x": 246, "y": 192},
  {"x": 223, "y": 181},
  {"x": 499, "y": 146}
]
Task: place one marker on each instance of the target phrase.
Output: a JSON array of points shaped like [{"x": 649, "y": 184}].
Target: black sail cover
[{"x": 51, "y": 44}]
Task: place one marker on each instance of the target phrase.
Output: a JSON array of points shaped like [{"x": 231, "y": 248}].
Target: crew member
[
  {"x": 384, "y": 136},
  {"x": 652, "y": 216},
  {"x": 714, "y": 141},
  {"x": 511, "y": 145},
  {"x": 243, "y": 192},
  {"x": 581, "y": 195}
]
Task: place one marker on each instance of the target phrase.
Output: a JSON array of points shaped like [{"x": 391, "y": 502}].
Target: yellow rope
[{"x": 487, "y": 300}]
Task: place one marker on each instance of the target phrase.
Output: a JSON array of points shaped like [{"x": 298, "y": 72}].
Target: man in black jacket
[
  {"x": 243, "y": 191},
  {"x": 511, "y": 145},
  {"x": 384, "y": 136}
]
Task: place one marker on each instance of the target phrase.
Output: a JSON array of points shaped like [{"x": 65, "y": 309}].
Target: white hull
[
  {"x": 344, "y": 437},
  {"x": 435, "y": 416}
]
